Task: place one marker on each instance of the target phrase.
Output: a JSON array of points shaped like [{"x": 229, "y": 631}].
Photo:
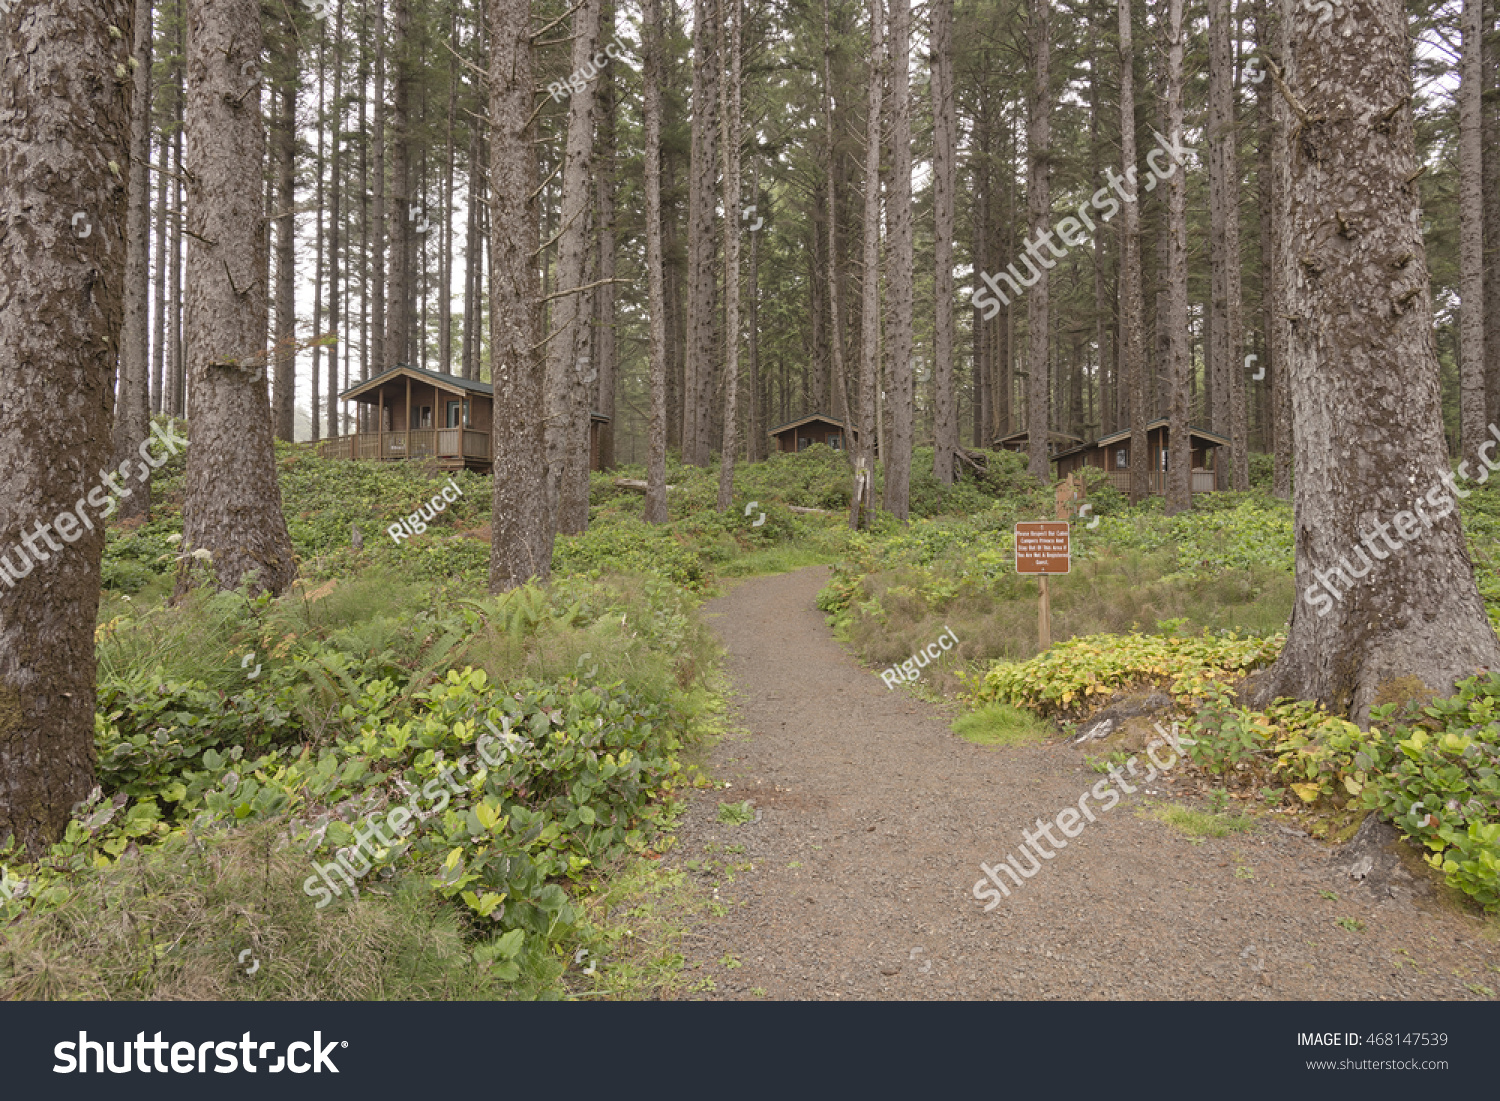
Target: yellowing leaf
[{"x": 1308, "y": 793}]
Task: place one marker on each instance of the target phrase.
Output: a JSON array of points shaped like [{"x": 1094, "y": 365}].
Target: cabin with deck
[
  {"x": 420, "y": 414},
  {"x": 1111, "y": 454}
]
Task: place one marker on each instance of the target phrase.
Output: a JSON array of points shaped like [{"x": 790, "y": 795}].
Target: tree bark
[
  {"x": 1039, "y": 213},
  {"x": 944, "y": 187},
  {"x": 605, "y": 347},
  {"x": 336, "y": 315},
  {"x": 1226, "y": 357},
  {"x": 375, "y": 341},
  {"x": 319, "y": 234},
  {"x": 656, "y": 464},
  {"x": 400, "y": 291},
  {"x": 1132, "y": 304},
  {"x": 64, "y": 120},
  {"x": 1365, "y": 387},
  {"x": 698, "y": 366},
  {"x": 1471, "y": 359},
  {"x": 755, "y": 444},
  {"x": 729, "y": 148},
  {"x": 232, "y": 506},
  {"x": 1279, "y": 333},
  {"x": 133, "y": 402},
  {"x": 283, "y": 390},
  {"x": 899, "y": 271},
  {"x": 176, "y": 360},
  {"x": 522, "y": 535},
  {"x": 445, "y": 249},
  {"x": 159, "y": 314},
  {"x": 1491, "y": 182},
  {"x": 569, "y": 371},
  {"x": 869, "y": 345},
  {"x": 838, "y": 387},
  {"x": 1179, "y": 352}
]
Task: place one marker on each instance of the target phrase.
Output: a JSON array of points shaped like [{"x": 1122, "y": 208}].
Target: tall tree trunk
[
  {"x": 336, "y": 315},
  {"x": 133, "y": 402},
  {"x": 177, "y": 360},
  {"x": 1471, "y": 361},
  {"x": 521, "y": 540},
  {"x": 445, "y": 249},
  {"x": 729, "y": 148},
  {"x": 400, "y": 292},
  {"x": 698, "y": 367},
  {"x": 869, "y": 344},
  {"x": 900, "y": 270},
  {"x": 1279, "y": 334},
  {"x": 63, "y": 121},
  {"x": 1226, "y": 356},
  {"x": 283, "y": 390},
  {"x": 755, "y": 445},
  {"x": 318, "y": 236},
  {"x": 605, "y": 348},
  {"x": 1039, "y": 213},
  {"x": 1363, "y": 368},
  {"x": 944, "y": 187},
  {"x": 232, "y": 506},
  {"x": 1179, "y": 349},
  {"x": 569, "y": 372},
  {"x": 1104, "y": 420},
  {"x": 656, "y": 463},
  {"x": 835, "y": 294},
  {"x": 473, "y": 260},
  {"x": 159, "y": 312},
  {"x": 380, "y": 357},
  {"x": 986, "y": 416},
  {"x": 1132, "y": 305},
  {"x": 1491, "y": 215}
]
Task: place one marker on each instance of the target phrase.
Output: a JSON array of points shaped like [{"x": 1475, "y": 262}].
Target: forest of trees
[
  {"x": 988, "y": 120},
  {"x": 703, "y": 221}
]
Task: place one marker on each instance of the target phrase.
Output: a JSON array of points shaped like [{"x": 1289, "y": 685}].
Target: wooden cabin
[
  {"x": 1111, "y": 454},
  {"x": 1057, "y": 442},
  {"x": 420, "y": 414},
  {"x": 800, "y": 434}
]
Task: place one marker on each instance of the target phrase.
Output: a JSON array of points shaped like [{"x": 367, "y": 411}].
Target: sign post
[{"x": 1043, "y": 547}]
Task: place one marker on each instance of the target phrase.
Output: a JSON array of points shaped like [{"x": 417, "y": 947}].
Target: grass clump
[
  {"x": 1200, "y": 823},
  {"x": 999, "y": 724}
]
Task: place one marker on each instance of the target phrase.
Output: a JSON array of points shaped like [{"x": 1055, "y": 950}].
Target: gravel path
[{"x": 874, "y": 818}]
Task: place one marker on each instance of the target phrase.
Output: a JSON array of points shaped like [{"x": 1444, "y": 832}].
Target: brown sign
[{"x": 1043, "y": 546}]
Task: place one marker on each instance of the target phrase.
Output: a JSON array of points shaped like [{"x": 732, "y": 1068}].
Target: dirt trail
[{"x": 874, "y": 819}]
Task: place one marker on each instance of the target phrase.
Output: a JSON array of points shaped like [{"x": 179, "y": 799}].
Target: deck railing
[
  {"x": 1203, "y": 481},
  {"x": 416, "y": 443}
]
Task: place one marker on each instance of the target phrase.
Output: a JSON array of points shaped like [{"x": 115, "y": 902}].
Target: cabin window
[
  {"x": 455, "y": 414},
  {"x": 1122, "y": 459},
  {"x": 421, "y": 416},
  {"x": 804, "y": 442},
  {"x": 836, "y": 441}
]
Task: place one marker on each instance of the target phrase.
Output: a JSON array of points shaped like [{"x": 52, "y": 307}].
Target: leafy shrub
[
  {"x": 1433, "y": 771},
  {"x": 1073, "y": 676}
]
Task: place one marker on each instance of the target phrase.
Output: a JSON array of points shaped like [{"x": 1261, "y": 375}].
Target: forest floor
[{"x": 872, "y": 818}]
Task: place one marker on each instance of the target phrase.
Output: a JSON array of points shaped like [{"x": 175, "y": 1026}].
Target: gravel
[{"x": 874, "y": 818}]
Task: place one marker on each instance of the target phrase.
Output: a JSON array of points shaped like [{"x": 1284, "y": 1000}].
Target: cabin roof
[
  {"x": 452, "y": 382},
  {"x": 1025, "y": 434},
  {"x": 1159, "y": 422},
  {"x": 780, "y": 428}
]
